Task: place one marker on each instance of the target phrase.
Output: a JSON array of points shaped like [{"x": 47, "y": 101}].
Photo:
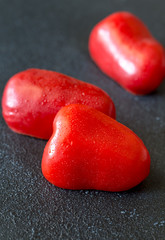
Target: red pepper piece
[
  {"x": 32, "y": 98},
  {"x": 89, "y": 150},
  {"x": 124, "y": 49}
]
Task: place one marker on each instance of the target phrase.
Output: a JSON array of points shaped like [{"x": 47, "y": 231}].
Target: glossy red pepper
[
  {"x": 124, "y": 49},
  {"x": 32, "y": 98},
  {"x": 89, "y": 150}
]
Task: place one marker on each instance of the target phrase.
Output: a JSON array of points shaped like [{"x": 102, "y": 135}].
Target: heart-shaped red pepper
[
  {"x": 89, "y": 150},
  {"x": 32, "y": 98},
  {"x": 124, "y": 49}
]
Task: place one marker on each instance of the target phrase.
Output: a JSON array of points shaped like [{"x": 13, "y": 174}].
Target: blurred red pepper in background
[{"x": 124, "y": 49}]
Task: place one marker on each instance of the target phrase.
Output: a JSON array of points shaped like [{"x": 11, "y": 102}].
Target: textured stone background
[{"x": 54, "y": 35}]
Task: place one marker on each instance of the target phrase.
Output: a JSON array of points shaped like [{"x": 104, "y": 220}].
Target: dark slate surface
[{"x": 54, "y": 35}]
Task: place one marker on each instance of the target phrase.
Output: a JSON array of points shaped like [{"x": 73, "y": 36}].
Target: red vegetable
[
  {"x": 89, "y": 150},
  {"x": 32, "y": 98},
  {"x": 124, "y": 49}
]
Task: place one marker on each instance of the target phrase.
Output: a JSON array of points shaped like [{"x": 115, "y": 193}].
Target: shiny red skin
[
  {"x": 32, "y": 98},
  {"x": 124, "y": 49},
  {"x": 90, "y": 150}
]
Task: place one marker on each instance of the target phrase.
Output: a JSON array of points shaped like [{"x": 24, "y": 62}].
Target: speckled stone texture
[{"x": 54, "y": 35}]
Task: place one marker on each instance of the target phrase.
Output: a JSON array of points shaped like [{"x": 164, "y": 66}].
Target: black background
[{"x": 54, "y": 35}]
